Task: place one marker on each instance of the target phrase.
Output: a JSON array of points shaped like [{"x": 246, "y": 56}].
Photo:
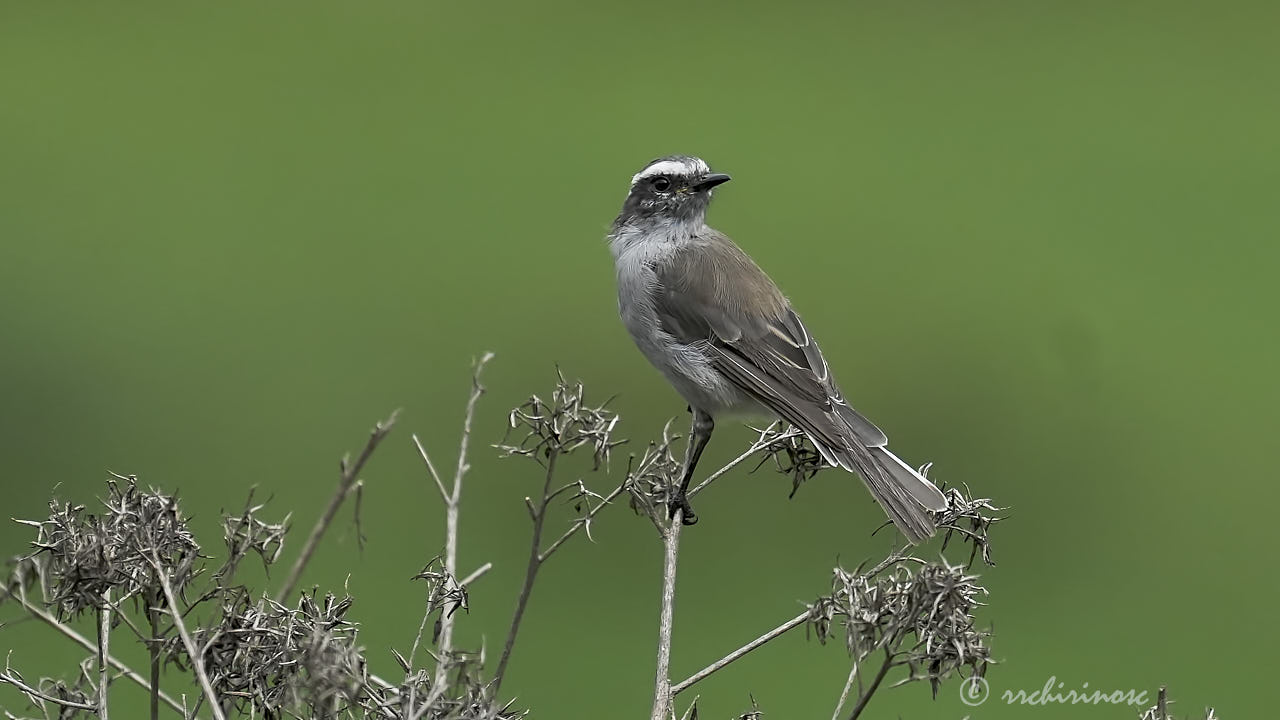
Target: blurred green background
[{"x": 1037, "y": 241}]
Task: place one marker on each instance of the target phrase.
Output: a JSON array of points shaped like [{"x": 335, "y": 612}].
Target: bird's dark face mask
[{"x": 676, "y": 196}]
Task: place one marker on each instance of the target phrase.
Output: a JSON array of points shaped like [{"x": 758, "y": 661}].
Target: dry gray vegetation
[{"x": 219, "y": 649}]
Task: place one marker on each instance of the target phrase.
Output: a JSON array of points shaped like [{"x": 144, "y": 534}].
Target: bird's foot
[{"x": 681, "y": 502}]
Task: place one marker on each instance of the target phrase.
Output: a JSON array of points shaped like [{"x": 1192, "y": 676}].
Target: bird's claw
[{"x": 681, "y": 502}]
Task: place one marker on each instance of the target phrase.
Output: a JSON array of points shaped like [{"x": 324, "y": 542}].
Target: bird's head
[{"x": 676, "y": 188}]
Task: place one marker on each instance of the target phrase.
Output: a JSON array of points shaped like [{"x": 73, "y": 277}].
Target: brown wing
[{"x": 711, "y": 291}]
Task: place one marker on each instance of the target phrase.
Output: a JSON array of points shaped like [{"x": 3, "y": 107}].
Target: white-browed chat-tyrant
[{"x": 726, "y": 338}]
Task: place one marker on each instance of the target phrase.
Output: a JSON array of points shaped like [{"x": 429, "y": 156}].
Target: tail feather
[
  {"x": 925, "y": 492},
  {"x": 905, "y": 495}
]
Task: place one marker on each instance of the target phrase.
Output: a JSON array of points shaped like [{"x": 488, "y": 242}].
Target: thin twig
[
  {"x": 153, "y": 649},
  {"x": 855, "y": 673},
  {"x": 197, "y": 658},
  {"x": 445, "y": 644},
  {"x": 348, "y": 478},
  {"x": 865, "y": 696},
  {"x": 756, "y": 447},
  {"x": 662, "y": 691},
  {"x": 104, "y": 649},
  {"x": 92, "y": 647},
  {"x": 702, "y": 674},
  {"x": 475, "y": 574},
  {"x": 531, "y": 571},
  {"x": 782, "y": 629},
  {"x": 5, "y": 677},
  {"x": 895, "y": 557},
  {"x": 431, "y": 469},
  {"x": 452, "y": 501},
  {"x": 583, "y": 521}
]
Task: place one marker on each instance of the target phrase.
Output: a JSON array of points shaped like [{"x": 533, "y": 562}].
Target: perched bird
[{"x": 727, "y": 339}]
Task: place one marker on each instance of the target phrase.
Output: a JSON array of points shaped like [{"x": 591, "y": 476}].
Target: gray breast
[{"x": 685, "y": 365}]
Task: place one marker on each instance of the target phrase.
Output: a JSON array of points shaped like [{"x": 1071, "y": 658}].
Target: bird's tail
[{"x": 903, "y": 492}]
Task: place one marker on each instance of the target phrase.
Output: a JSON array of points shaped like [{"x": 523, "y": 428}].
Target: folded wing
[{"x": 710, "y": 292}]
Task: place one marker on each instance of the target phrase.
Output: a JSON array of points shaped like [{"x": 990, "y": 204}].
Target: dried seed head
[
  {"x": 561, "y": 426},
  {"x": 265, "y": 658},
  {"x": 246, "y": 532},
  {"x": 653, "y": 478},
  {"x": 924, "y": 618},
  {"x": 443, "y": 591},
  {"x": 971, "y": 519},
  {"x": 84, "y": 557},
  {"x": 792, "y": 454}
]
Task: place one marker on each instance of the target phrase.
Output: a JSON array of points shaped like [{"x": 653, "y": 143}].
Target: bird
[{"x": 726, "y": 338}]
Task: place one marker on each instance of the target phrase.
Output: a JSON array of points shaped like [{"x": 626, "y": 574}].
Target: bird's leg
[{"x": 699, "y": 434}]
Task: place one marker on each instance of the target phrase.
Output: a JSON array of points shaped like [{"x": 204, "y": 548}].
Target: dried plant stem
[
  {"x": 92, "y": 647},
  {"x": 583, "y": 521},
  {"x": 452, "y": 499},
  {"x": 662, "y": 691},
  {"x": 26, "y": 689},
  {"x": 755, "y": 447},
  {"x": 153, "y": 650},
  {"x": 702, "y": 674},
  {"x": 793, "y": 623},
  {"x": 895, "y": 557},
  {"x": 104, "y": 650},
  {"x": 531, "y": 570},
  {"x": 855, "y": 673},
  {"x": 476, "y": 574},
  {"x": 197, "y": 659},
  {"x": 350, "y": 472},
  {"x": 865, "y": 696}
]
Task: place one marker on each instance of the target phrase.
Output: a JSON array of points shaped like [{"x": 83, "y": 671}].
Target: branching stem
[
  {"x": 539, "y": 513},
  {"x": 350, "y": 472},
  {"x": 153, "y": 650},
  {"x": 662, "y": 691},
  {"x": 452, "y": 500},
  {"x": 865, "y": 696},
  {"x": 756, "y": 447},
  {"x": 104, "y": 650},
  {"x": 702, "y": 674},
  {"x": 197, "y": 659},
  {"x": 33, "y": 693},
  {"x": 92, "y": 647},
  {"x": 583, "y": 521}
]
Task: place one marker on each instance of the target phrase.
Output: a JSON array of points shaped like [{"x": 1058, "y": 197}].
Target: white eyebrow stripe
[{"x": 671, "y": 167}]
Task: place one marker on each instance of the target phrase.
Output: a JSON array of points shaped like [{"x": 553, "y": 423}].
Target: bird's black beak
[{"x": 710, "y": 180}]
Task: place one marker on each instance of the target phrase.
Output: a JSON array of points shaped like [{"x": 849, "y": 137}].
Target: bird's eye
[{"x": 661, "y": 184}]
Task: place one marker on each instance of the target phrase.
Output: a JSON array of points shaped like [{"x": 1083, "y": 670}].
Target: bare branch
[
  {"x": 350, "y": 472},
  {"x": 855, "y": 673},
  {"x": 104, "y": 647},
  {"x": 584, "y": 521},
  {"x": 92, "y": 647},
  {"x": 476, "y": 574},
  {"x": 7, "y": 677},
  {"x": 197, "y": 658},
  {"x": 451, "y": 503},
  {"x": 662, "y": 691},
  {"x": 431, "y": 469},
  {"x": 153, "y": 650},
  {"x": 531, "y": 570},
  {"x": 476, "y": 391},
  {"x": 865, "y": 696},
  {"x": 768, "y": 436},
  {"x": 451, "y": 506},
  {"x": 702, "y": 674},
  {"x": 894, "y": 558}
]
